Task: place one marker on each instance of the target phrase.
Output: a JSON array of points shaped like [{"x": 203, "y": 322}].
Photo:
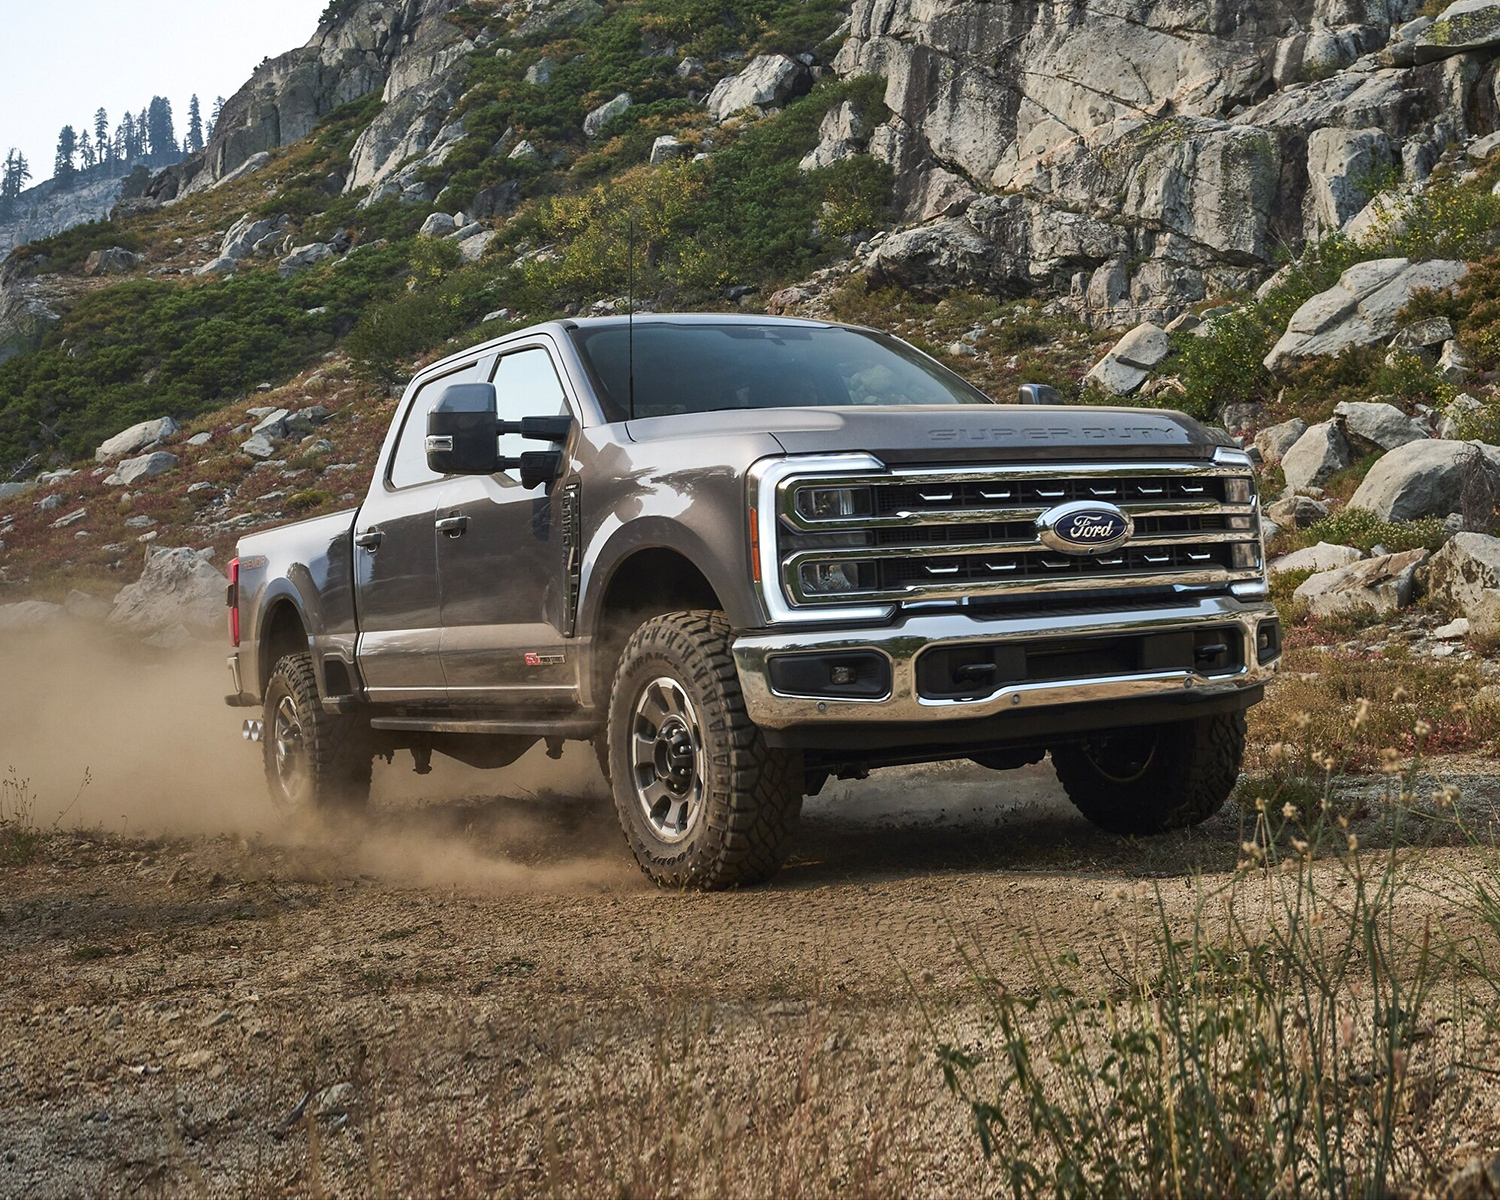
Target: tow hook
[{"x": 253, "y": 731}]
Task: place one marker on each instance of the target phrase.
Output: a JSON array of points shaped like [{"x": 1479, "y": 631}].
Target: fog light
[
  {"x": 1245, "y": 556},
  {"x": 1268, "y": 641},
  {"x": 832, "y": 503},
  {"x": 1239, "y": 490},
  {"x": 830, "y": 579}
]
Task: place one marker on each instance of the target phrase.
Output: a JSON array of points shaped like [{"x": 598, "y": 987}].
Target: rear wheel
[
  {"x": 704, "y": 802},
  {"x": 1157, "y": 778},
  {"x": 314, "y": 760}
]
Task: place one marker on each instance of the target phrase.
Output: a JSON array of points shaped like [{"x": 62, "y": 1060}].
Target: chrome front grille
[{"x": 923, "y": 534}]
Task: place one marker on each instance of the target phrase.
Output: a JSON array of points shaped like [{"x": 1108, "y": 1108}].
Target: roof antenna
[{"x": 630, "y": 315}]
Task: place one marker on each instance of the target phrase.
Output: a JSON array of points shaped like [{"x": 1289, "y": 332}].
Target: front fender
[{"x": 723, "y": 561}]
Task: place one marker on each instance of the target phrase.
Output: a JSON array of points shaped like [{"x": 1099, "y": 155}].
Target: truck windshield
[{"x": 699, "y": 367}]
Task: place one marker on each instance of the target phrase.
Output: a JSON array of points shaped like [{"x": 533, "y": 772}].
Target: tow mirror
[{"x": 461, "y": 431}]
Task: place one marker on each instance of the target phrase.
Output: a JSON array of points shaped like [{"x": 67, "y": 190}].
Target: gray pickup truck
[{"x": 742, "y": 555}]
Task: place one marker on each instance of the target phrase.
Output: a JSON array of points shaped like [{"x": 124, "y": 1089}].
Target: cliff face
[
  {"x": 379, "y": 46},
  {"x": 1133, "y": 156},
  {"x": 1147, "y": 154},
  {"x": 46, "y": 210}
]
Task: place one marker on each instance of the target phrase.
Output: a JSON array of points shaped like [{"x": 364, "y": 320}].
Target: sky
[{"x": 66, "y": 58}]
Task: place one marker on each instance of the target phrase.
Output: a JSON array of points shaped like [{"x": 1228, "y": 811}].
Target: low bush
[
  {"x": 1287, "y": 1037},
  {"x": 1361, "y": 528}
]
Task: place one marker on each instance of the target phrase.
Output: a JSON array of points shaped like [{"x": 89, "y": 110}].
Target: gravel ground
[{"x": 474, "y": 991}]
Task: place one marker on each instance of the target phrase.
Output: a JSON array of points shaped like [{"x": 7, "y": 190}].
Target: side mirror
[
  {"x": 461, "y": 431},
  {"x": 1040, "y": 393}
]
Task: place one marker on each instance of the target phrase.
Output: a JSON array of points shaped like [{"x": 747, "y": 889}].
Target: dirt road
[{"x": 476, "y": 992}]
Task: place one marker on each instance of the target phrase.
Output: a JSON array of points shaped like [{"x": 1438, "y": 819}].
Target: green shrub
[
  {"x": 1361, "y": 528},
  {"x": 142, "y": 348},
  {"x": 67, "y": 251}
]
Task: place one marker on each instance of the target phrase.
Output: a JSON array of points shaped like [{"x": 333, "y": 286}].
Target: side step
[{"x": 564, "y": 727}]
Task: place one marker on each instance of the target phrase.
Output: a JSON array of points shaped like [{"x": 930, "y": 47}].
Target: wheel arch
[{"x": 644, "y": 581}]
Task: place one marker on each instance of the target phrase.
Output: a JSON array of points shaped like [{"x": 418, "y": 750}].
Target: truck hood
[{"x": 979, "y": 433}]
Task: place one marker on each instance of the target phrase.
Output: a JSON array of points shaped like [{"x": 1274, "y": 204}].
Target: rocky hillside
[{"x": 1279, "y": 216}]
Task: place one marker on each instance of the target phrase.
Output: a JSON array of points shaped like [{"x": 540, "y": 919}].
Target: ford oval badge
[{"x": 1084, "y": 528}]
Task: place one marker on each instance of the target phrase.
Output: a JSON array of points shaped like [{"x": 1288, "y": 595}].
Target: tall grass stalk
[{"x": 1286, "y": 1036}]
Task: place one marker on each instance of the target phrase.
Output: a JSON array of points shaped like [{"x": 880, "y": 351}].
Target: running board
[{"x": 580, "y": 728}]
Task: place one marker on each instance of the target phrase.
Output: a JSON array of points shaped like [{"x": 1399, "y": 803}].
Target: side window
[
  {"x": 409, "y": 462},
  {"x": 526, "y": 385}
]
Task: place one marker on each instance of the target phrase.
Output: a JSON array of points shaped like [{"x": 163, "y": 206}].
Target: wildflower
[
  {"x": 1400, "y": 695},
  {"x": 1316, "y": 920},
  {"x": 1277, "y": 752},
  {"x": 1353, "y": 843},
  {"x": 1299, "y": 845},
  {"x": 1361, "y": 714},
  {"x": 1343, "y": 822},
  {"x": 1289, "y": 811},
  {"x": 1390, "y": 761},
  {"x": 1303, "y": 719},
  {"x": 1445, "y": 797},
  {"x": 1346, "y": 1030},
  {"x": 1421, "y": 728}
]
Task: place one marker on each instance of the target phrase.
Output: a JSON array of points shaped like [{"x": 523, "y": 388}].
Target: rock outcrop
[
  {"x": 178, "y": 587},
  {"x": 1422, "y": 479},
  {"x": 1383, "y": 584},
  {"x": 1464, "y": 577},
  {"x": 405, "y": 49},
  {"x": 1152, "y": 154}
]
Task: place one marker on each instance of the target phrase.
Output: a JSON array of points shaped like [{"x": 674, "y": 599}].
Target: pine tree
[
  {"x": 213, "y": 117},
  {"x": 86, "y": 158},
  {"x": 195, "y": 127},
  {"x": 161, "y": 131},
  {"x": 102, "y": 145},
  {"x": 64, "y": 171},
  {"x": 11, "y": 181}
]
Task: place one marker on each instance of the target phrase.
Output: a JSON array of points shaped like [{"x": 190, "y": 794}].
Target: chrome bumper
[{"x": 902, "y": 642}]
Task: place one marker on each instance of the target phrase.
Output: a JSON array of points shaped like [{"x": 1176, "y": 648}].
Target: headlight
[
  {"x": 835, "y": 503},
  {"x": 1239, "y": 490},
  {"x": 832, "y": 579}
]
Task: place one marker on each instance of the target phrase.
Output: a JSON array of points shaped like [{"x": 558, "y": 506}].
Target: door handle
[
  {"x": 453, "y": 526},
  {"x": 369, "y": 540}
]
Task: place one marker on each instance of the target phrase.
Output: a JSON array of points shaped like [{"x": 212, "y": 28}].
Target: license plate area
[{"x": 975, "y": 671}]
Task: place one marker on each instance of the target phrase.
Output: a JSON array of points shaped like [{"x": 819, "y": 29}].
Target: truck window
[
  {"x": 526, "y": 385},
  {"x": 409, "y": 462},
  {"x": 700, "y": 367}
]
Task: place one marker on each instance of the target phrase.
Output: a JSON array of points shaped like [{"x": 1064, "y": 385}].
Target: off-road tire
[
  {"x": 1184, "y": 773},
  {"x": 336, "y": 749},
  {"x": 751, "y": 795}
]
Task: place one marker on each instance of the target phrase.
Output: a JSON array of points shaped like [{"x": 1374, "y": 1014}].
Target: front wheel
[
  {"x": 314, "y": 760},
  {"x": 704, "y": 802},
  {"x": 1156, "y": 778}
]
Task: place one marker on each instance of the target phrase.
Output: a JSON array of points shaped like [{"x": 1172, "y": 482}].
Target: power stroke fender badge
[{"x": 1084, "y": 528}]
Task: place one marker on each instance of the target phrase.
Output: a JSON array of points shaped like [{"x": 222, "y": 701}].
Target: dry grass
[{"x": 1410, "y": 707}]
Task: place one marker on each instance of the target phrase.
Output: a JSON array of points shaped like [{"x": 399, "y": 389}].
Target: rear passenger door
[
  {"x": 503, "y": 561},
  {"x": 395, "y": 561}
]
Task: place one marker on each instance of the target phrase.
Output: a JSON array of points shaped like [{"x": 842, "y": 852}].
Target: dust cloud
[{"x": 132, "y": 742}]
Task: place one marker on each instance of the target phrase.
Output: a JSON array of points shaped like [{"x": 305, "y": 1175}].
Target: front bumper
[{"x": 902, "y": 642}]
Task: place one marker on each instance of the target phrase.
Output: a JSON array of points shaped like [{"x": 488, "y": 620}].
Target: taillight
[{"x": 232, "y": 597}]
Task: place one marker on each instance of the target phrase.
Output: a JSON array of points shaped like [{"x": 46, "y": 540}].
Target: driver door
[
  {"x": 395, "y": 563},
  {"x": 502, "y": 562}
]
